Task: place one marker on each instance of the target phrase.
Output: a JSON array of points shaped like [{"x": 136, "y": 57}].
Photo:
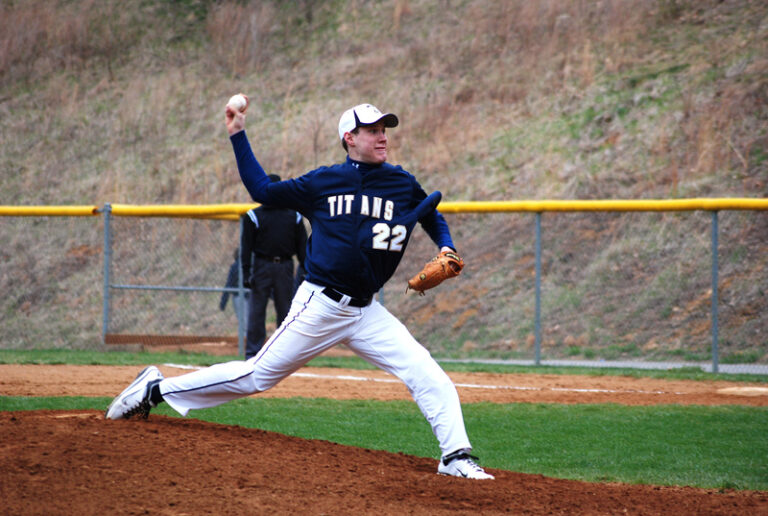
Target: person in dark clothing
[{"x": 270, "y": 239}]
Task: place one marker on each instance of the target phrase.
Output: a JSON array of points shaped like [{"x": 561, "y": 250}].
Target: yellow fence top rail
[
  {"x": 730, "y": 203},
  {"x": 48, "y": 211},
  {"x": 233, "y": 211},
  {"x": 181, "y": 210}
]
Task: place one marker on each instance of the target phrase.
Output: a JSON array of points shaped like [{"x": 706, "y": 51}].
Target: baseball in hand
[{"x": 238, "y": 102}]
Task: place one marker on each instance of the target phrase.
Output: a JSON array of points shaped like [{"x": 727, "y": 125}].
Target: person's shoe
[
  {"x": 461, "y": 464},
  {"x": 134, "y": 400}
]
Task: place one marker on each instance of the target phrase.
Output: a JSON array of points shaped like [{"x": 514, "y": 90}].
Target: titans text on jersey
[{"x": 342, "y": 205}]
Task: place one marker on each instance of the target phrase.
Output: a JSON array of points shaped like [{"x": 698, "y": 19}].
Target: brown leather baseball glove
[{"x": 447, "y": 264}]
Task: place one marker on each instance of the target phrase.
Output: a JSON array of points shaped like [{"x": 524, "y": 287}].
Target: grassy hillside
[{"x": 107, "y": 101}]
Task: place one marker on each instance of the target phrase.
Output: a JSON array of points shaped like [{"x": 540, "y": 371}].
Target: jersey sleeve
[
  {"x": 253, "y": 176},
  {"x": 434, "y": 223},
  {"x": 296, "y": 194}
]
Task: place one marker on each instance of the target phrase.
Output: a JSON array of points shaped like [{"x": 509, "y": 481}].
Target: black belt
[
  {"x": 273, "y": 259},
  {"x": 353, "y": 301}
]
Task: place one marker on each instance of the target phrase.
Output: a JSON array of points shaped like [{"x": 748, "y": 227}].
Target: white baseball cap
[{"x": 364, "y": 114}]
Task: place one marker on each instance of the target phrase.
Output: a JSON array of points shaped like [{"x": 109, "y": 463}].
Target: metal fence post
[
  {"x": 537, "y": 322},
  {"x": 241, "y": 317},
  {"x": 107, "y": 210},
  {"x": 715, "y": 352}
]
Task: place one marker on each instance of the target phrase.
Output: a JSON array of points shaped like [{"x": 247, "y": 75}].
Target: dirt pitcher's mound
[{"x": 79, "y": 463}]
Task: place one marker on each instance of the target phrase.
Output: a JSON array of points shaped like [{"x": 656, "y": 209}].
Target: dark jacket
[{"x": 272, "y": 234}]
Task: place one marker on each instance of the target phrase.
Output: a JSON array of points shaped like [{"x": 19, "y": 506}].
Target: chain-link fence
[
  {"x": 51, "y": 280},
  {"x": 166, "y": 278},
  {"x": 631, "y": 289},
  {"x": 605, "y": 288}
]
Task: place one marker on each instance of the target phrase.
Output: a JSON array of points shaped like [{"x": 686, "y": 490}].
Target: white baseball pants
[{"x": 314, "y": 324}]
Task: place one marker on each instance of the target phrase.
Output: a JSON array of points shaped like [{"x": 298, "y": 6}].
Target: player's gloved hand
[{"x": 447, "y": 264}]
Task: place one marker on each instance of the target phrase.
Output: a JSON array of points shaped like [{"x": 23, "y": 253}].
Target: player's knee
[{"x": 428, "y": 376}]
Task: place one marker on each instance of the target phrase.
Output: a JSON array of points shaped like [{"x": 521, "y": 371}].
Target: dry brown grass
[
  {"x": 124, "y": 81},
  {"x": 39, "y": 39}
]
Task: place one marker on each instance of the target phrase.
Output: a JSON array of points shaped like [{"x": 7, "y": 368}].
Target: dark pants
[{"x": 268, "y": 280}]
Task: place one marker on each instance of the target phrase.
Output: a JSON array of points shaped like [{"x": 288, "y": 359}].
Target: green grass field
[{"x": 721, "y": 447}]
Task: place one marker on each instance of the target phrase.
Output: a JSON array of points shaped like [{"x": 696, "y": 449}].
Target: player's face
[{"x": 369, "y": 145}]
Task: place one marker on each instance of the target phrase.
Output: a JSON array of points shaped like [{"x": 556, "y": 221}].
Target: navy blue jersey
[{"x": 362, "y": 217}]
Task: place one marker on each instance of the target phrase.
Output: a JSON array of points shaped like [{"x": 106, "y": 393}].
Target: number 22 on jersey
[{"x": 386, "y": 238}]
